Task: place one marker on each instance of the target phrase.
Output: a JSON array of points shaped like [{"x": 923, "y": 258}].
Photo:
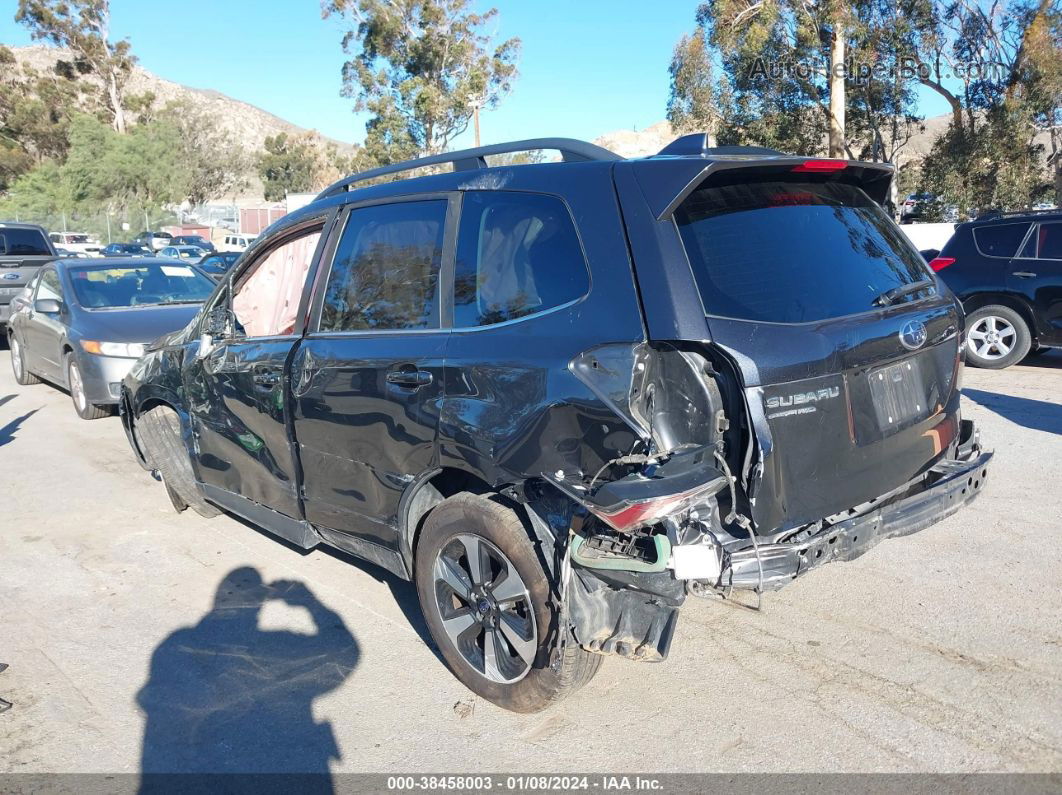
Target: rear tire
[
  {"x": 76, "y": 385},
  {"x": 160, "y": 431},
  {"x": 18, "y": 363},
  {"x": 518, "y": 682},
  {"x": 996, "y": 337}
]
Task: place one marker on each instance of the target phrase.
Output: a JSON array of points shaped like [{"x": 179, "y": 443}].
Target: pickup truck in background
[
  {"x": 76, "y": 242},
  {"x": 24, "y": 248}
]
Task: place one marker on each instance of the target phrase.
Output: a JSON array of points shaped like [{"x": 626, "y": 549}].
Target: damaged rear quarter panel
[{"x": 512, "y": 411}]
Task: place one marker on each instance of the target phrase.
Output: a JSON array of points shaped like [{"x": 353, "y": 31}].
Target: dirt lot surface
[{"x": 122, "y": 620}]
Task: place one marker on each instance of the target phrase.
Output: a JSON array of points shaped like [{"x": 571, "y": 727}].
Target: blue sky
[{"x": 587, "y": 67}]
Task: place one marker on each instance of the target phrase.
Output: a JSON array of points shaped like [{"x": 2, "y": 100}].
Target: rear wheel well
[
  {"x": 978, "y": 300},
  {"x": 427, "y": 495}
]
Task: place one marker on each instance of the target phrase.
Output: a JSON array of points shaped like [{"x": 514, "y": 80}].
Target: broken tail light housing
[
  {"x": 940, "y": 263},
  {"x": 821, "y": 166},
  {"x": 629, "y": 515}
]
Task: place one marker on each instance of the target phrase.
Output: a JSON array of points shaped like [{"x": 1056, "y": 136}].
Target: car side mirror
[
  {"x": 220, "y": 322},
  {"x": 47, "y": 306}
]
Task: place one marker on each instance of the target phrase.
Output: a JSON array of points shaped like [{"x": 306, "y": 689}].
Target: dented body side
[{"x": 582, "y": 412}]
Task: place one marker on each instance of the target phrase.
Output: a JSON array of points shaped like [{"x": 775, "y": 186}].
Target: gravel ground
[{"x": 121, "y": 620}]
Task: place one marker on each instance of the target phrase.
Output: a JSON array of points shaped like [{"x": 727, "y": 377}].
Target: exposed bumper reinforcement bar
[{"x": 953, "y": 484}]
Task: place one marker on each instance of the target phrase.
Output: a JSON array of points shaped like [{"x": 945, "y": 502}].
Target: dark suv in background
[
  {"x": 1007, "y": 271},
  {"x": 561, "y": 397},
  {"x": 24, "y": 248}
]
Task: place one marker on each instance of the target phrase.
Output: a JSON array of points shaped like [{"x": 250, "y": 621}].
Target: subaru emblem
[
  {"x": 11, "y": 276},
  {"x": 913, "y": 335}
]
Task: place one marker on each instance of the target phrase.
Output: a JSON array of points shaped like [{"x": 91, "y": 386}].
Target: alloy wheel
[
  {"x": 485, "y": 608},
  {"x": 77, "y": 388},
  {"x": 16, "y": 358},
  {"x": 991, "y": 338}
]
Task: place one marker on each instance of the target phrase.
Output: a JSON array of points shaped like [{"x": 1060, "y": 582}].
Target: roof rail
[
  {"x": 572, "y": 151},
  {"x": 988, "y": 215},
  {"x": 698, "y": 144}
]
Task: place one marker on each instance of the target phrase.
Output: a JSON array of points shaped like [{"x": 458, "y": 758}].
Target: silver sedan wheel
[
  {"x": 485, "y": 608},
  {"x": 77, "y": 388},
  {"x": 991, "y": 338},
  {"x": 16, "y": 357}
]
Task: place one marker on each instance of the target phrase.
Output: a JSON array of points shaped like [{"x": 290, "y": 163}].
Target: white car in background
[
  {"x": 78, "y": 243},
  {"x": 236, "y": 242}
]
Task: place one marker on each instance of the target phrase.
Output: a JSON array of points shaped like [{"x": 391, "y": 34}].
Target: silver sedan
[{"x": 88, "y": 321}]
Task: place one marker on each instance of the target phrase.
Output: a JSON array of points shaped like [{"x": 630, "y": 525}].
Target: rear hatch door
[{"x": 846, "y": 346}]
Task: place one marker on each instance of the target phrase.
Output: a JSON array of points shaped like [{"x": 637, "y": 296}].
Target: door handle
[
  {"x": 266, "y": 377},
  {"x": 413, "y": 379},
  {"x": 1025, "y": 274}
]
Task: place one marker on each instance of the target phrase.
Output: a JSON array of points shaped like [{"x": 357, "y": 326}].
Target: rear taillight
[
  {"x": 634, "y": 514},
  {"x": 821, "y": 166},
  {"x": 940, "y": 263}
]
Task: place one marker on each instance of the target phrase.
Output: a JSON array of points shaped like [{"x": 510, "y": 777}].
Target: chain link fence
[{"x": 100, "y": 226}]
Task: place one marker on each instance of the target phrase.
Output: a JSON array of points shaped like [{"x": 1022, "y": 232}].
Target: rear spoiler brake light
[{"x": 821, "y": 166}]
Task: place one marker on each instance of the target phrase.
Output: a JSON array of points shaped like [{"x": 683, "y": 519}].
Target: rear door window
[
  {"x": 517, "y": 254},
  {"x": 24, "y": 242},
  {"x": 789, "y": 252},
  {"x": 385, "y": 273},
  {"x": 1000, "y": 241}
]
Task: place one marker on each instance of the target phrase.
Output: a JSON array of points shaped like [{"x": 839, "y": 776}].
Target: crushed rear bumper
[{"x": 945, "y": 489}]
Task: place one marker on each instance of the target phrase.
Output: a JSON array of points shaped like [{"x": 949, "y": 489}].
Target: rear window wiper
[{"x": 890, "y": 297}]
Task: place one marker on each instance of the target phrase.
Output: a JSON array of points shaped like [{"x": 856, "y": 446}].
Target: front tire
[
  {"x": 486, "y": 599},
  {"x": 996, "y": 337},
  {"x": 160, "y": 431},
  {"x": 76, "y": 385},
  {"x": 18, "y": 363}
]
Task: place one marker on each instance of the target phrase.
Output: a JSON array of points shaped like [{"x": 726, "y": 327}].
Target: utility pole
[{"x": 476, "y": 102}]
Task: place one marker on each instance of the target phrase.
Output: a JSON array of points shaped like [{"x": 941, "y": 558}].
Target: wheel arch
[{"x": 423, "y": 495}]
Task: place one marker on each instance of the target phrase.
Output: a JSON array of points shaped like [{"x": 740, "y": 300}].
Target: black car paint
[
  {"x": 1032, "y": 287},
  {"x": 340, "y": 453}
]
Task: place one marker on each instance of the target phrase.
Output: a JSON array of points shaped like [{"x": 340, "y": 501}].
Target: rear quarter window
[
  {"x": 1000, "y": 241},
  {"x": 791, "y": 252},
  {"x": 1049, "y": 241}
]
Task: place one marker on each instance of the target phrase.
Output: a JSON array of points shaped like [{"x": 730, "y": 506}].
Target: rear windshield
[
  {"x": 26, "y": 242},
  {"x": 788, "y": 252},
  {"x": 112, "y": 287}
]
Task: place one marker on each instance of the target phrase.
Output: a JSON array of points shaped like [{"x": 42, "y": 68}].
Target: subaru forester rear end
[{"x": 561, "y": 397}]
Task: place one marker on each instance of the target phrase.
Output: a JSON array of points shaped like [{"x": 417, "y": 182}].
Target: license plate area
[{"x": 898, "y": 392}]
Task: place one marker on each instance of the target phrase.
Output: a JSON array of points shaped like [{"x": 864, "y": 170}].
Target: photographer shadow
[{"x": 225, "y": 696}]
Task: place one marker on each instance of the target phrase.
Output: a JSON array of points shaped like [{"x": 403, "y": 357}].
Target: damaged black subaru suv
[{"x": 562, "y": 397}]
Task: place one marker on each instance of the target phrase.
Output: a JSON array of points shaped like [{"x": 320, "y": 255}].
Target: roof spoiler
[
  {"x": 667, "y": 182},
  {"x": 699, "y": 144}
]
